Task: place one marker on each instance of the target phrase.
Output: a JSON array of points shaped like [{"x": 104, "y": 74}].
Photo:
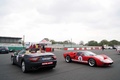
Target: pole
[
  {"x": 23, "y": 41},
  {"x": 71, "y": 42}
]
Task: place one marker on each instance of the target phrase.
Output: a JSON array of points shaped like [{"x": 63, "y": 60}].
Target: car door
[
  {"x": 20, "y": 56},
  {"x": 81, "y": 57},
  {"x": 14, "y": 57},
  {"x": 85, "y": 57},
  {"x": 78, "y": 57}
]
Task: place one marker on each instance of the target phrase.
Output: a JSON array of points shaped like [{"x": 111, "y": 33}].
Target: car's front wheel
[
  {"x": 92, "y": 62},
  {"x": 23, "y": 67},
  {"x": 68, "y": 59}
]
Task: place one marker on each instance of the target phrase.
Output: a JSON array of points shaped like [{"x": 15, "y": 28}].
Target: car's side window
[
  {"x": 86, "y": 54},
  {"x": 79, "y": 53},
  {"x": 21, "y": 52}
]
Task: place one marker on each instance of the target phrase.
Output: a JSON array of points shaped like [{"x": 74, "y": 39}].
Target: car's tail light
[
  {"x": 34, "y": 59},
  {"x": 54, "y": 57}
]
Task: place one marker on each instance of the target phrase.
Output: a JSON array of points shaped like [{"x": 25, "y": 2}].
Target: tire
[
  {"x": 68, "y": 59},
  {"x": 12, "y": 61},
  {"x": 23, "y": 67},
  {"x": 92, "y": 62}
]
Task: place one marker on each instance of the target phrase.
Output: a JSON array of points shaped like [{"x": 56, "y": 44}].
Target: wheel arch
[
  {"x": 94, "y": 60},
  {"x": 21, "y": 61}
]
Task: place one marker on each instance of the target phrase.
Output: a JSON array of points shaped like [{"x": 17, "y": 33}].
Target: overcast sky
[{"x": 79, "y": 20}]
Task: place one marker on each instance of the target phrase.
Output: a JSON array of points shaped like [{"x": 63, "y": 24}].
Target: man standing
[
  {"x": 103, "y": 48},
  {"x": 43, "y": 49}
]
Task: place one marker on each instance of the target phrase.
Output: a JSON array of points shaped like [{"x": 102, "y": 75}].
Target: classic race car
[
  {"x": 32, "y": 60},
  {"x": 88, "y": 57}
]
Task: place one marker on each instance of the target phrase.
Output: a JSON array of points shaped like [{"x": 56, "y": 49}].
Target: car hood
[{"x": 103, "y": 57}]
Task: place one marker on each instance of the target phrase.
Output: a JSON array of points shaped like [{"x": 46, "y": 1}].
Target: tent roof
[{"x": 45, "y": 42}]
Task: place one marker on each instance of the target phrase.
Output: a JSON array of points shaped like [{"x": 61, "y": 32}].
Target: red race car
[{"x": 88, "y": 57}]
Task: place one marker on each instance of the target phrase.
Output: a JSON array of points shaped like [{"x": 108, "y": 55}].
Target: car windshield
[{"x": 88, "y": 53}]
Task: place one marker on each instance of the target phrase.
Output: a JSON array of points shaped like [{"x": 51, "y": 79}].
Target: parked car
[
  {"x": 32, "y": 60},
  {"x": 88, "y": 57},
  {"x": 118, "y": 49},
  {"x": 108, "y": 47},
  {"x": 4, "y": 49}
]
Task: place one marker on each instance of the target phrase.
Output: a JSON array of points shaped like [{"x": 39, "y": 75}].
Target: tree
[
  {"x": 53, "y": 42},
  {"x": 113, "y": 42},
  {"x": 92, "y": 43},
  {"x": 104, "y": 42},
  {"x": 46, "y": 39},
  {"x": 66, "y": 42}
]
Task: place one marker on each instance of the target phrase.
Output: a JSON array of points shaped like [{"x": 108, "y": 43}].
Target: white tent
[{"x": 45, "y": 42}]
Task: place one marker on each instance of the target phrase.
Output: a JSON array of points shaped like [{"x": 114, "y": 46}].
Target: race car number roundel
[{"x": 80, "y": 58}]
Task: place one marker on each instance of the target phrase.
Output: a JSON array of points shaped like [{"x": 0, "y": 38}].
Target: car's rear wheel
[
  {"x": 68, "y": 59},
  {"x": 12, "y": 61},
  {"x": 23, "y": 67},
  {"x": 92, "y": 62}
]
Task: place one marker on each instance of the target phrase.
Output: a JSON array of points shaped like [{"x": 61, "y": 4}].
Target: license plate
[
  {"x": 48, "y": 58},
  {"x": 47, "y": 63}
]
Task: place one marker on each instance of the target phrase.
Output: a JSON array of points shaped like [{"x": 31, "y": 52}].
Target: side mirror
[{"x": 15, "y": 53}]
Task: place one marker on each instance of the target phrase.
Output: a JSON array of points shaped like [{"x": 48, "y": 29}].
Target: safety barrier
[{"x": 84, "y": 48}]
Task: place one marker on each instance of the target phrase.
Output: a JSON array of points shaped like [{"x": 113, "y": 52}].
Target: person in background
[
  {"x": 43, "y": 49},
  {"x": 103, "y": 48},
  {"x": 27, "y": 51},
  {"x": 39, "y": 50}
]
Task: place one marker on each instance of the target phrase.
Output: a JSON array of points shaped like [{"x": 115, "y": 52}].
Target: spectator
[
  {"x": 43, "y": 49},
  {"x": 103, "y": 48}
]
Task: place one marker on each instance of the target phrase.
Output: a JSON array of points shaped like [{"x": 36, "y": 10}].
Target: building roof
[{"x": 10, "y": 37}]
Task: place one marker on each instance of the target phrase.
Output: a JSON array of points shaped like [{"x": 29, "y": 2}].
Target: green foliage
[
  {"x": 103, "y": 42},
  {"x": 46, "y": 39},
  {"x": 92, "y": 43},
  {"x": 53, "y": 42},
  {"x": 114, "y": 42}
]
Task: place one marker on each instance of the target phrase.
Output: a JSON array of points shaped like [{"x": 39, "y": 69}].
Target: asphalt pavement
[{"x": 63, "y": 70}]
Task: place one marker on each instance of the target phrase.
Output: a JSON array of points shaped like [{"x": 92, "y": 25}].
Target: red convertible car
[{"x": 88, "y": 57}]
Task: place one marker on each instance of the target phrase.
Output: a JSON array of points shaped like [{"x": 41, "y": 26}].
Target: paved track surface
[{"x": 63, "y": 70}]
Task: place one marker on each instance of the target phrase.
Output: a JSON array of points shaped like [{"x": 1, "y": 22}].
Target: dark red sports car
[{"x": 88, "y": 57}]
